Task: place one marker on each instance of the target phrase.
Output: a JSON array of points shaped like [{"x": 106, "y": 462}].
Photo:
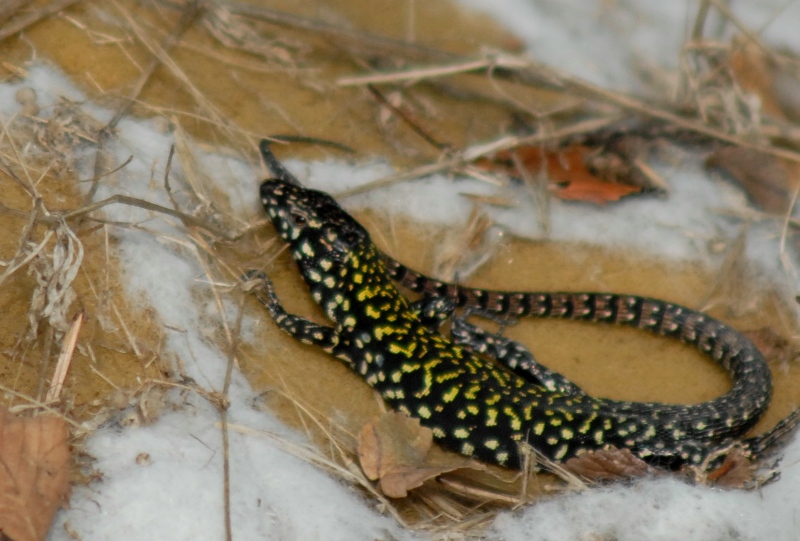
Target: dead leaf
[
  {"x": 768, "y": 180},
  {"x": 737, "y": 471},
  {"x": 609, "y": 464},
  {"x": 773, "y": 346},
  {"x": 568, "y": 172},
  {"x": 393, "y": 448},
  {"x": 34, "y": 479},
  {"x": 755, "y": 72}
]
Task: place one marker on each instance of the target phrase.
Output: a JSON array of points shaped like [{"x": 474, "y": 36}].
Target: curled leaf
[
  {"x": 393, "y": 449},
  {"x": 737, "y": 471},
  {"x": 609, "y": 464}
]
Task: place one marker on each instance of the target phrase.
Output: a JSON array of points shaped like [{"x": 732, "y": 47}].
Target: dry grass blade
[
  {"x": 580, "y": 88},
  {"x": 362, "y": 40},
  {"x": 10, "y": 7},
  {"x": 64, "y": 360},
  {"x": 312, "y": 456},
  {"x": 418, "y": 74},
  {"x": 700, "y": 20},
  {"x": 190, "y": 13},
  {"x": 472, "y": 492},
  {"x": 234, "y": 133},
  {"x": 34, "y": 17}
]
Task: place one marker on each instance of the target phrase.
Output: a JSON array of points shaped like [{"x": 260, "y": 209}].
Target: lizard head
[{"x": 318, "y": 230}]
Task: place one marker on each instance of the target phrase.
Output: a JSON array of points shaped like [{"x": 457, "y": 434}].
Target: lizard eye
[{"x": 299, "y": 219}]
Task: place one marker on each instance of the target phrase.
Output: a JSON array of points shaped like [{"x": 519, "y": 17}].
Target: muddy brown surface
[{"x": 291, "y": 89}]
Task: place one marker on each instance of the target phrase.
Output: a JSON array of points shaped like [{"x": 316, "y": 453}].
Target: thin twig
[
  {"x": 187, "y": 219},
  {"x": 223, "y": 413},
  {"x": 444, "y": 147},
  {"x": 29, "y": 186},
  {"x": 38, "y": 404},
  {"x": 221, "y": 400}
]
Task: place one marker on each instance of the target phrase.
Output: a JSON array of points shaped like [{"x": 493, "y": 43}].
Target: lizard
[{"x": 483, "y": 408}]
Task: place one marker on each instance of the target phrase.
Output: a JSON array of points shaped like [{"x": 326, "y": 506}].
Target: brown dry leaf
[
  {"x": 568, "y": 173},
  {"x": 393, "y": 448},
  {"x": 34, "y": 478},
  {"x": 768, "y": 180},
  {"x": 755, "y": 72},
  {"x": 772, "y": 345},
  {"x": 609, "y": 464},
  {"x": 735, "y": 472}
]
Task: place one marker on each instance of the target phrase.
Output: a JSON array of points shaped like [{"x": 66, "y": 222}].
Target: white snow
[{"x": 176, "y": 493}]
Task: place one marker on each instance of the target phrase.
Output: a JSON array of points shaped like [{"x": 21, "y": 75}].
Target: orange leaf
[
  {"x": 566, "y": 169},
  {"x": 595, "y": 191}
]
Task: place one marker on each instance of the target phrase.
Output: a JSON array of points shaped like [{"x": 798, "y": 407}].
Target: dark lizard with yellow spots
[{"x": 482, "y": 408}]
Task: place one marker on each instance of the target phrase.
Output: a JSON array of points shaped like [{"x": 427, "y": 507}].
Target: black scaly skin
[
  {"x": 728, "y": 416},
  {"x": 733, "y": 414},
  {"x": 473, "y": 405}
]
